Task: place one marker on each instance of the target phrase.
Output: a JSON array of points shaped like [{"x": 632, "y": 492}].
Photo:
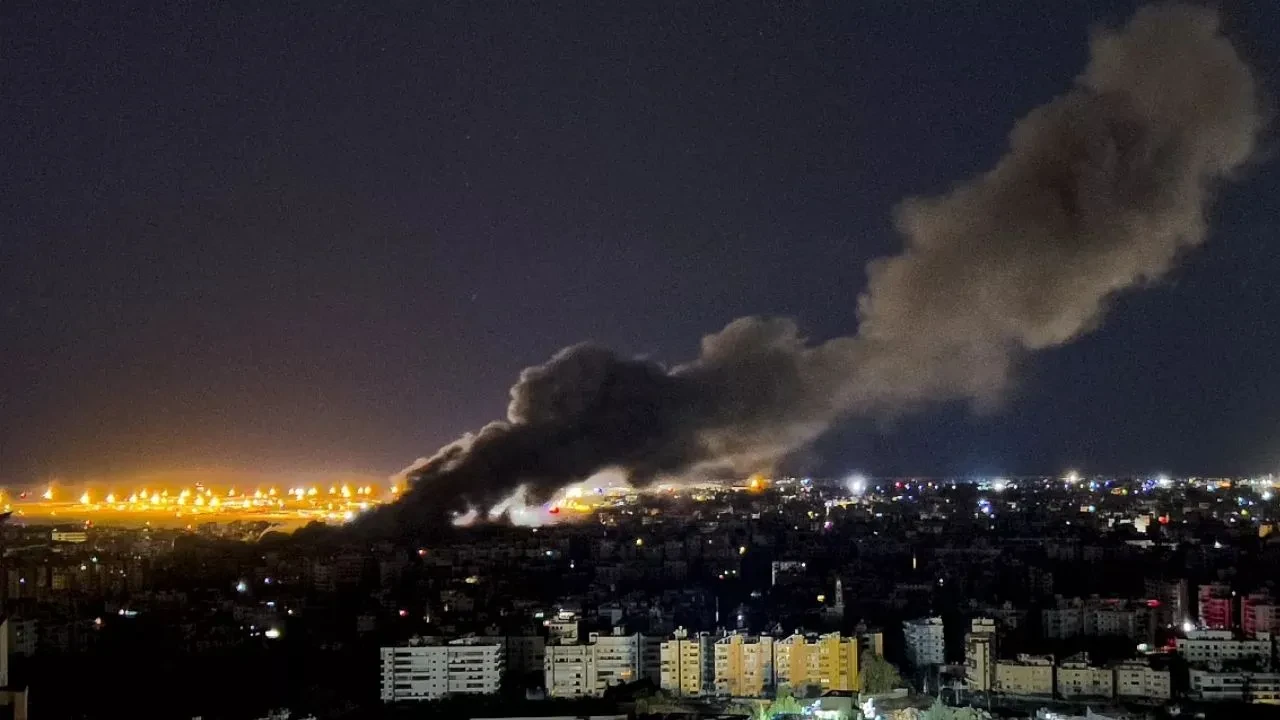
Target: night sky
[{"x": 318, "y": 236}]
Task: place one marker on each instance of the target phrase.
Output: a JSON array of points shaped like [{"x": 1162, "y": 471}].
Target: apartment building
[
  {"x": 1138, "y": 680},
  {"x": 1217, "y": 646},
  {"x": 427, "y": 669},
  {"x": 828, "y": 661},
  {"x": 1025, "y": 675},
  {"x": 687, "y": 664},
  {"x": 588, "y": 669},
  {"x": 1077, "y": 678},
  {"x": 1234, "y": 686},
  {"x": 980, "y": 647},
  {"x": 744, "y": 665},
  {"x": 924, "y": 642}
]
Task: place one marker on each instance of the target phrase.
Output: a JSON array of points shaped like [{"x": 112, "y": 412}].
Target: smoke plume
[{"x": 1100, "y": 191}]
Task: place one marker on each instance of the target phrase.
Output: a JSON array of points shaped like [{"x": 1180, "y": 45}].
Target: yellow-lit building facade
[
  {"x": 1027, "y": 675},
  {"x": 744, "y": 665},
  {"x": 829, "y": 661}
]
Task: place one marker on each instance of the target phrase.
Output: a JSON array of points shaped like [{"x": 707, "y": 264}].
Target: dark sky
[{"x": 317, "y": 236}]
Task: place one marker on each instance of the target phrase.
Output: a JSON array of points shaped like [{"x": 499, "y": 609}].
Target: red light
[
  {"x": 1153, "y": 603},
  {"x": 1164, "y": 519},
  {"x": 898, "y": 485},
  {"x": 404, "y": 613},
  {"x": 555, "y": 511}
]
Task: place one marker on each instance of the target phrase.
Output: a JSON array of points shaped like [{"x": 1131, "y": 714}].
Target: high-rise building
[
  {"x": 925, "y": 643},
  {"x": 1171, "y": 601},
  {"x": 569, "y": 670},
  {"x": 980, "y": 646},
  {"x": 578, "y": 670},
  {"x": 1216, "y": 605},
  {"x": 829, "y": 662},
  {"x": 1258, "y": 614},
  {"x": 429, "y": 670},
  {"x": 744, "y": 665},
  {"x": 688, "y": 664}
]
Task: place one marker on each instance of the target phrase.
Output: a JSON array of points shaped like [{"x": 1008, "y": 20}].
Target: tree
[
  {"x": 785, "y": 705},
  {"x": 877, "y": 675}
]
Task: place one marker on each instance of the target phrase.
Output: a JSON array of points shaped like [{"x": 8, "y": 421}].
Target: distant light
[
  {"x": 242, "y": 587},
  {"x": 1164, "y": 481},
  {"x": 856, "y": 484},
  {"x": 742, "y": 549},
  {"x": 48, "y": 494},
  {"x": 999, "y": 485},
  {"x": 1073, "y": 476},
  {"x": 639, "y": 542},
  {"x": 404, "y": 613},
  {"x": 85, "y": 499},
  {"x": 1188, "y": 626},
  {"x": 271, "y": 634},
  {"x": 1266, "y": 495}
]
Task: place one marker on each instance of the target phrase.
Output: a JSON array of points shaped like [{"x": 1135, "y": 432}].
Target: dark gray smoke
[{"x": 1100, "y": 191}]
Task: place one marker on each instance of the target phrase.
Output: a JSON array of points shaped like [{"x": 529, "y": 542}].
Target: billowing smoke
[{"x": 1100, "y": 191}]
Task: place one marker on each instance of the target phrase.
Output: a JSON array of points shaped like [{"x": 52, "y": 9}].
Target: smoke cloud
[{"x": 1100, "y": 191}]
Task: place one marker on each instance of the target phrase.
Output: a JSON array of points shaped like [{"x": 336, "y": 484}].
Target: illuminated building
[
  {"x": 744, "y": 665},
  {"x": 430, "y": 671},
  {"x": 829, "y": 661},
  {"x": 1234, "y": 686},
  {"x": 563, "y": 628},
  {"x": 924, "y": 640},
  {"x": 980, "y": 645},
  {"x": 688, "y": 664},
  {"x": 1215, "y": 646},
  {"x": 1216, "y": 605},
  {"x": 573, "y": 670},
  {"x": 1258, "y": 614},
  {"x": 1137, "y": 679},
  {"x": 69, "y": 536},
  {"x": 1077, "y": 678},
  {"x": 1025, "y": 675}
]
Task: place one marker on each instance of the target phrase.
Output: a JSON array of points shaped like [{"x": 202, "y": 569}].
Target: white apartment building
[
  {"x": 1211, "y": 686},
  {"x": 925, "y": 643},
  {"x": 429, "y": 670},
  {"x": 588, "y": 670},
  {"x": 1140, "y": 680},
  {"x": 1209, "y": 646}
]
